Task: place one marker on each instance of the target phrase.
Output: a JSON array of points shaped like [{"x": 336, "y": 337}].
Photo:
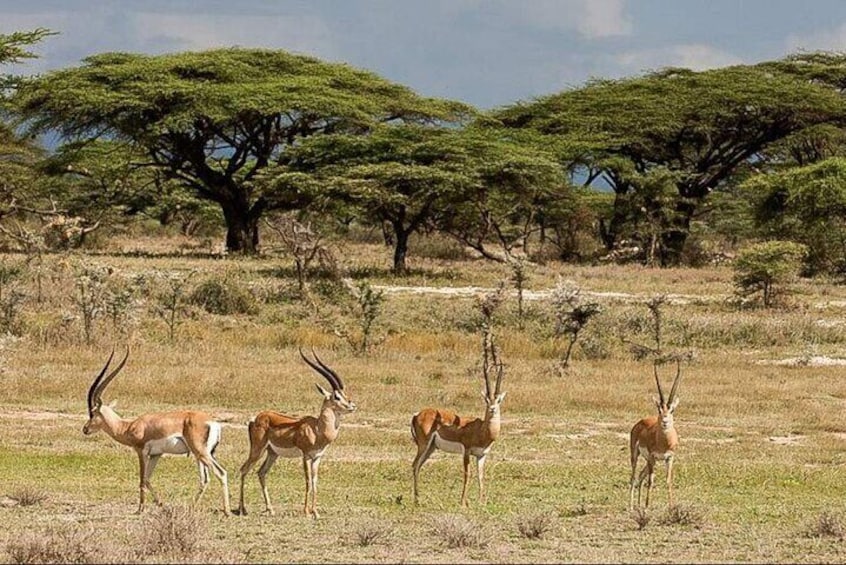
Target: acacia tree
[
  {"x": 213, "y": 120},
  {"x": 699, "y": 126},
  {"x": 18, "y": 154},
  {"x": 473, "y": 184},
  {"x": 806, "y": 205}
]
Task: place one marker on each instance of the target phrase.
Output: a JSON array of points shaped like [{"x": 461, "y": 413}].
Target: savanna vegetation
[{"x": 219, "y": 210}]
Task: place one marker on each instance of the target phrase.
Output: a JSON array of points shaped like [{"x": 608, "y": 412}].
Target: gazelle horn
[
  {"x": 675, "y": 382},
  {"x": 658, "y": 382},
  {"x": 93, "y": 387},
  {"x": 327, "y": 375},
  {"x": 105, "y": 382}
]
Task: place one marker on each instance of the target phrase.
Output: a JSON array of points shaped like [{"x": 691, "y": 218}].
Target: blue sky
[{"x": 485, "y": 52}]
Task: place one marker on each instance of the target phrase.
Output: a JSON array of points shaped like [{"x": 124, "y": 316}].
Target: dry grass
[{"x": 761, "y": 445}]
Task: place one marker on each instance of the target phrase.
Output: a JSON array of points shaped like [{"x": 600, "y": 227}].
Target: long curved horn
[
  {"x": 675, "y": 382},
  {"x": 499, "y": 370},
  {"x": 102, "y": 386},
  {"x": 335, "y": 375},
  {"x": 326, "y": 375},
  {"x": 96, "y": 383},
  {"x": 658, "y": 382}
]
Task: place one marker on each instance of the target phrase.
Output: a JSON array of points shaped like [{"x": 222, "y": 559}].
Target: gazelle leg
[
  {"x": 640, "y": 479},
  {"x": 219, "y": 472},
  {"x": 262, "y": 475},
  {"x": 670, "y": 480},
  {"x": 142, "y": 462},
  {"x": 252, "y": 459},
  {"x": 480, "y": 473},
  {"x": 315, "y": 465},
  {"x": 151, "y": 466},
  {"x": 650, "y": 481},
  {"x": 633, "y": 483},
  {"x": 204, "y": 480},
  {"x": 423, "y": 453},
  {"x": 307, "y": 473},
  {"x": 466, "y": 477}
]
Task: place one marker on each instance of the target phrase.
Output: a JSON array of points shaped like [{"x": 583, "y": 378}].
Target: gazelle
[
  {"x": 307, "y": 437},
  {"x": 434, "y": 428},
  {"x": 655, "y": 438},
  {"x": 153, "y": 435}
]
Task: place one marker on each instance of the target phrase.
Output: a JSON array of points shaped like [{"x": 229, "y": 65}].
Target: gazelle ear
[
  {"x": 657, "y": 402},
  {"x": 322, "y": 391},
  {"x": 500, "y": 398},
  {"x": 674, "y": 404},
  {"x": 112, "y": 404},
  {"x": 484, "y": 395}
]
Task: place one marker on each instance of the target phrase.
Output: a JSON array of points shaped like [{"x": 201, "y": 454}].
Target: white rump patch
[{"x": 214, "y": 435}]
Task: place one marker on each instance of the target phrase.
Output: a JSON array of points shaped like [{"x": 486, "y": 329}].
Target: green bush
[
  {"x": 223, "y": 296},
  {"x": 762, "y": 267}
]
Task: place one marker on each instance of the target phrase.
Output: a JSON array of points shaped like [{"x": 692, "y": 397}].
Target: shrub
[
  {"x": 457, "y": 532},
  {"x": 682, "y": 516},
  {"x": 56, "y": 546},
  {"x": 174, "y": 531},
  {"x": 223, "y": 296},
  {"x": 761, "y": 267},
  {"x": 827, "y": 525},
  {"x": 29, "y": 496},
  {"x": 535, "y": 525}
]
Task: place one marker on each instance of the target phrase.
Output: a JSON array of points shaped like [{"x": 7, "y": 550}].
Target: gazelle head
[
  {"x": 336, "y": 399},
  {"x": 491, "y": 362},
  {"x": 95, "y": 403},
  {"x": 667, "y": 407}
]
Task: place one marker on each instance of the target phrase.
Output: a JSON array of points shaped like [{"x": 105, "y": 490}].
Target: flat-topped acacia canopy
[{"x": 214, "y": 119}]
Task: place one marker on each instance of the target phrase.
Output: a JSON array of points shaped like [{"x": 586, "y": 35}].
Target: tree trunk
[
  {"x": 674, "y": 238},
  {"x": 400, "y": 249},
  {"x": 241, "y": 230}
]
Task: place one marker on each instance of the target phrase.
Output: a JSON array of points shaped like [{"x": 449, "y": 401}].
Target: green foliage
[
  {"x": 572, "y": 314},
  {"x": 702, "y": 126},
  {"x": 224, "y": 296},
  {"x": 215, "y": 119},
  {"x": 366, "y": 308},
  {"x": 806, "y": 205},
  {"x": 762, "y": 266}
]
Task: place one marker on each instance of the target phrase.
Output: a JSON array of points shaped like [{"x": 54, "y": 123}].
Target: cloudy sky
[{"x": 484, "y": 52}]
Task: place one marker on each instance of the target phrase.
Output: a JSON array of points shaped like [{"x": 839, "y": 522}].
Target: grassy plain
[{"x": 760, "y": 474}]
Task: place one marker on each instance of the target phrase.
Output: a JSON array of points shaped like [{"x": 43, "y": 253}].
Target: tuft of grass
[
  {"x": 680, "y": 515},
  {"x": 29, "y": 496},
  {"x": 372, "y": 533},
  {"x": 827, "y": 525},
  {"x": 641, "y": 518},
  {"x": 223, "y": 296},
  {"x": 535, "y": 525},
  {"x": 72, "y": 545},
  {"x": 173, "y": 531},
  {"x": 459, "y": 532}
]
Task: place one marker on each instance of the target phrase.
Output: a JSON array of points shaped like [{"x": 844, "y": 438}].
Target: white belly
[
  {"x": 658, "y": 456},
  {"x": 448, "y": 446},
  {"x": 479, "y": 452},
  {"x": 285, "y": 451},
  {"x": 174, "y": 445}
]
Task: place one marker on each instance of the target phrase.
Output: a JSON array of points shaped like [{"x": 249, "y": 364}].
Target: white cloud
[
  {"x": 696, "y": 56},
  {"x": 303, "y": 34},
  {"x": 822, "y": 40},
  {"x": 590, "y": 18}
]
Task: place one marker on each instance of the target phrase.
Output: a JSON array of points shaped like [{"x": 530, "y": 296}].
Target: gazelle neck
[
  {"x": 329, "y": 422},
  {"x": 492, "y": 423},
  {"x": 114, "y": 425}
]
